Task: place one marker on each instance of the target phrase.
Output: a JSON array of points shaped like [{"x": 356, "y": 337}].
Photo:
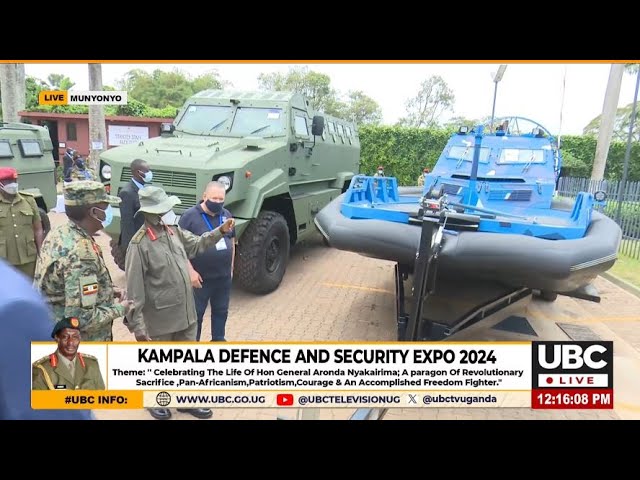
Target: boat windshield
[
  {"x": 264, "y": 122},
  {"x": 465, "y": 153},
  {"x": 514, "y": 155},
  {"x": 204, "y": 118}
]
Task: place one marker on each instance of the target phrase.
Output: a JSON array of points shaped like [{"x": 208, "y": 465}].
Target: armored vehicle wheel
[
  {"x": 263, "y": 253},
  {"x": 118, "y": 254},
  {"x": 46, "y": 223}
]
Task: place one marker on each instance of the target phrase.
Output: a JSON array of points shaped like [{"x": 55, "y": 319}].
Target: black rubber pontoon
[{"x": 513, "y": 260}]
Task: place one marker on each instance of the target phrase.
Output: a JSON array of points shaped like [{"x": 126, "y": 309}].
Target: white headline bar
[{"x": 426, "y": 366}]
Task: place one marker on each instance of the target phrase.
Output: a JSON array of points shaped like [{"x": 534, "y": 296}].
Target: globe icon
[{"x": 163, "y": 399}]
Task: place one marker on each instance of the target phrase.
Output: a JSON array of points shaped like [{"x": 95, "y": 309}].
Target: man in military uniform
[
  {"x": 158, "y": 280},
  {"x": 79, "y": 171},
  {"x": 71, "y": 271},
  {"x": 21, "y": 232},
  {"x": 66, "y": 368}
]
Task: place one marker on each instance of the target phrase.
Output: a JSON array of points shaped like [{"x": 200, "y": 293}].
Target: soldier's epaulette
[
  {"x": 139, "y": 235},
  {"x": 27, "y": 194},
  {"x": 91, "y": 357},
  {"x": 41, "y": 361}
]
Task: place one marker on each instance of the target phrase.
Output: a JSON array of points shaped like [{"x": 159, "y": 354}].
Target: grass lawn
[{"x": 627, "y": 269}]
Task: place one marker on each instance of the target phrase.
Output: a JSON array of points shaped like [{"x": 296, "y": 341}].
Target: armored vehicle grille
[
  {"x": 166, "y": 178},
  {"x": 187, "y": 200}
]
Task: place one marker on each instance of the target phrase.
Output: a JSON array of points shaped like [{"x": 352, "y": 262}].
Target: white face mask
[
  {"x": 10, "y": 188},
  {"x": 170, "y": 218}
]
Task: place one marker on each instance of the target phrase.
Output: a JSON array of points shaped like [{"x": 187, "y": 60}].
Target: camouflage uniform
[
  {"x": 81, "y": 174},
  {"x": 71, "y": 271}
]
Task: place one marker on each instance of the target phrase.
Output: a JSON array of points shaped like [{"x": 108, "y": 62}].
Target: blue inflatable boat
[{"x": 494, "y": 198}]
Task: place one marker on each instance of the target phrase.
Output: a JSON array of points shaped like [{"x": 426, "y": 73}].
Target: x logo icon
[{"x": 412, "y": 398}]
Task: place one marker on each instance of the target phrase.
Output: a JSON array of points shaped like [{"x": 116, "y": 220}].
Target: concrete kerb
[{"x": 632, "y": 289}]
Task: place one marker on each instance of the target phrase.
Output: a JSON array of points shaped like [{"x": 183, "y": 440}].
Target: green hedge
[{"x": 404, "y": 152}]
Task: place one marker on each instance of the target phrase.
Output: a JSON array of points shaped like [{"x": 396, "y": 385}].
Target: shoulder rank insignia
[{"x": 138, "y": 235}]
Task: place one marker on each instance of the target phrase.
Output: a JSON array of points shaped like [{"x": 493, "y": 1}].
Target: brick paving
[{"x": 330, "y": 295}]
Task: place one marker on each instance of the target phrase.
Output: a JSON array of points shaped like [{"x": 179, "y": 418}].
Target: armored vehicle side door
[{"x": 300, "y": 165}]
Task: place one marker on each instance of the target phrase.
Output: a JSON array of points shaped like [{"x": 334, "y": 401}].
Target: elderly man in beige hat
[
  {"x": 158, "y": 278},
  {"x": 71, "y": 271}
]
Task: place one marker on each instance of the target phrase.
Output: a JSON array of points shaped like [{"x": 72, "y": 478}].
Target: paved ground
[{"x": 333, "y": 295}]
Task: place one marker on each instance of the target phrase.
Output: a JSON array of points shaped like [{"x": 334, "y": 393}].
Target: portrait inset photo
[{"x": 70, "y": 365}]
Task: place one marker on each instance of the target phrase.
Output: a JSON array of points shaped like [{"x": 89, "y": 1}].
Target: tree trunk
[
  {"x": 97, "y": 126},
  {"x": 14, "y": 96},
  {"x": 607, "y": 119}
]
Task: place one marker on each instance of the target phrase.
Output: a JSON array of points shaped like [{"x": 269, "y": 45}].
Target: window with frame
[
  {"x": 5, "y": 149},
  {"x": 300, "y": 125},
  {"x": 30, "y": 148},
  {"x": 72, "y": 132}
]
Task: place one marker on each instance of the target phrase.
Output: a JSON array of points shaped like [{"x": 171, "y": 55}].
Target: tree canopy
[{"x": 355, "y": 105}]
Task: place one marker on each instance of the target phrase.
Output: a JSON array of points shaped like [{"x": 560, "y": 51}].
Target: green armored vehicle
[
  {"x": 281, "y": 163},
  {"x": 28, "y": 149}
]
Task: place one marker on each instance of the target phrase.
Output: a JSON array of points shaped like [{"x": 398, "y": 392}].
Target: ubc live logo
[{"x": 571, "y": 364}]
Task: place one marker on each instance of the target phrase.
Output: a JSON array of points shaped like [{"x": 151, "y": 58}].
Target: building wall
[{"x": 81, "y": 144}]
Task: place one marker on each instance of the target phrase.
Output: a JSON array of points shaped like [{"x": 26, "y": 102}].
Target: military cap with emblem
[
  {"x": 8, "y": 173},
  {"x": 87, "y": 192},
  {"x": 67, "y": 322},
  {"x": 155, "y": 200}
]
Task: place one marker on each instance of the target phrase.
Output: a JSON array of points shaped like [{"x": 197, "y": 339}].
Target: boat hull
[{"x": 513, "y": 260}]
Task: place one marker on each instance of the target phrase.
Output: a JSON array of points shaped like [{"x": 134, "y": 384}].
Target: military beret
[
  {"x": 8, "y": 173},
  {"x": 87, "y": 192},
  {"x": 70, "y": 322}
]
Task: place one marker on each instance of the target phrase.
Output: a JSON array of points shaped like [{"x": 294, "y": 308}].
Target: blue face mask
[
  {"x": 148, "y": 177},
  {"x": 108, "y": 212}
]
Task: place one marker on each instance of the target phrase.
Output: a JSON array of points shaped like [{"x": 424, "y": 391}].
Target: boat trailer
[{"x": 438, "y": 307}]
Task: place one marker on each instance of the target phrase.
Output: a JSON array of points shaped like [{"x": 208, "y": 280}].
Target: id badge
[{"x": 221, "y": 245}]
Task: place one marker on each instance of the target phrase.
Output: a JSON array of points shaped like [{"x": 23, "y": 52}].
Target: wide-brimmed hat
[{"x": 155, "y": 200}]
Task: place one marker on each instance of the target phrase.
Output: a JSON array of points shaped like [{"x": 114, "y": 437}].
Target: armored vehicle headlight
[
  {"x": 106, "y": 172},
  {"x": 226, "y": 181}
]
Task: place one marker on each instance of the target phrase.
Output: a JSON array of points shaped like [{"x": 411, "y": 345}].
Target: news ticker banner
[
  {"x": 72, "y": 97},
  {"x": 539, "y": 375}
]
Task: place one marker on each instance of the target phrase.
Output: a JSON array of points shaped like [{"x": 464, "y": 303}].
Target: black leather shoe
[
  {"x": 160, "y": 413},
  {"x": 197, "y": 412}
]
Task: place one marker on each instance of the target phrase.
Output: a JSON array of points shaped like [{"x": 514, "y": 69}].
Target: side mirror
[
  {"x": 317, "y": 126},
  {"x": 167, "y": 128}
]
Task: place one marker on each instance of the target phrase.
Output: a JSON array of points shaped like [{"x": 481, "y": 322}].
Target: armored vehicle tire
[
  {"x": 46, "y": 223},
  {"x": 263, "y": 253},
  {"x": 118, "y": 254}
]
